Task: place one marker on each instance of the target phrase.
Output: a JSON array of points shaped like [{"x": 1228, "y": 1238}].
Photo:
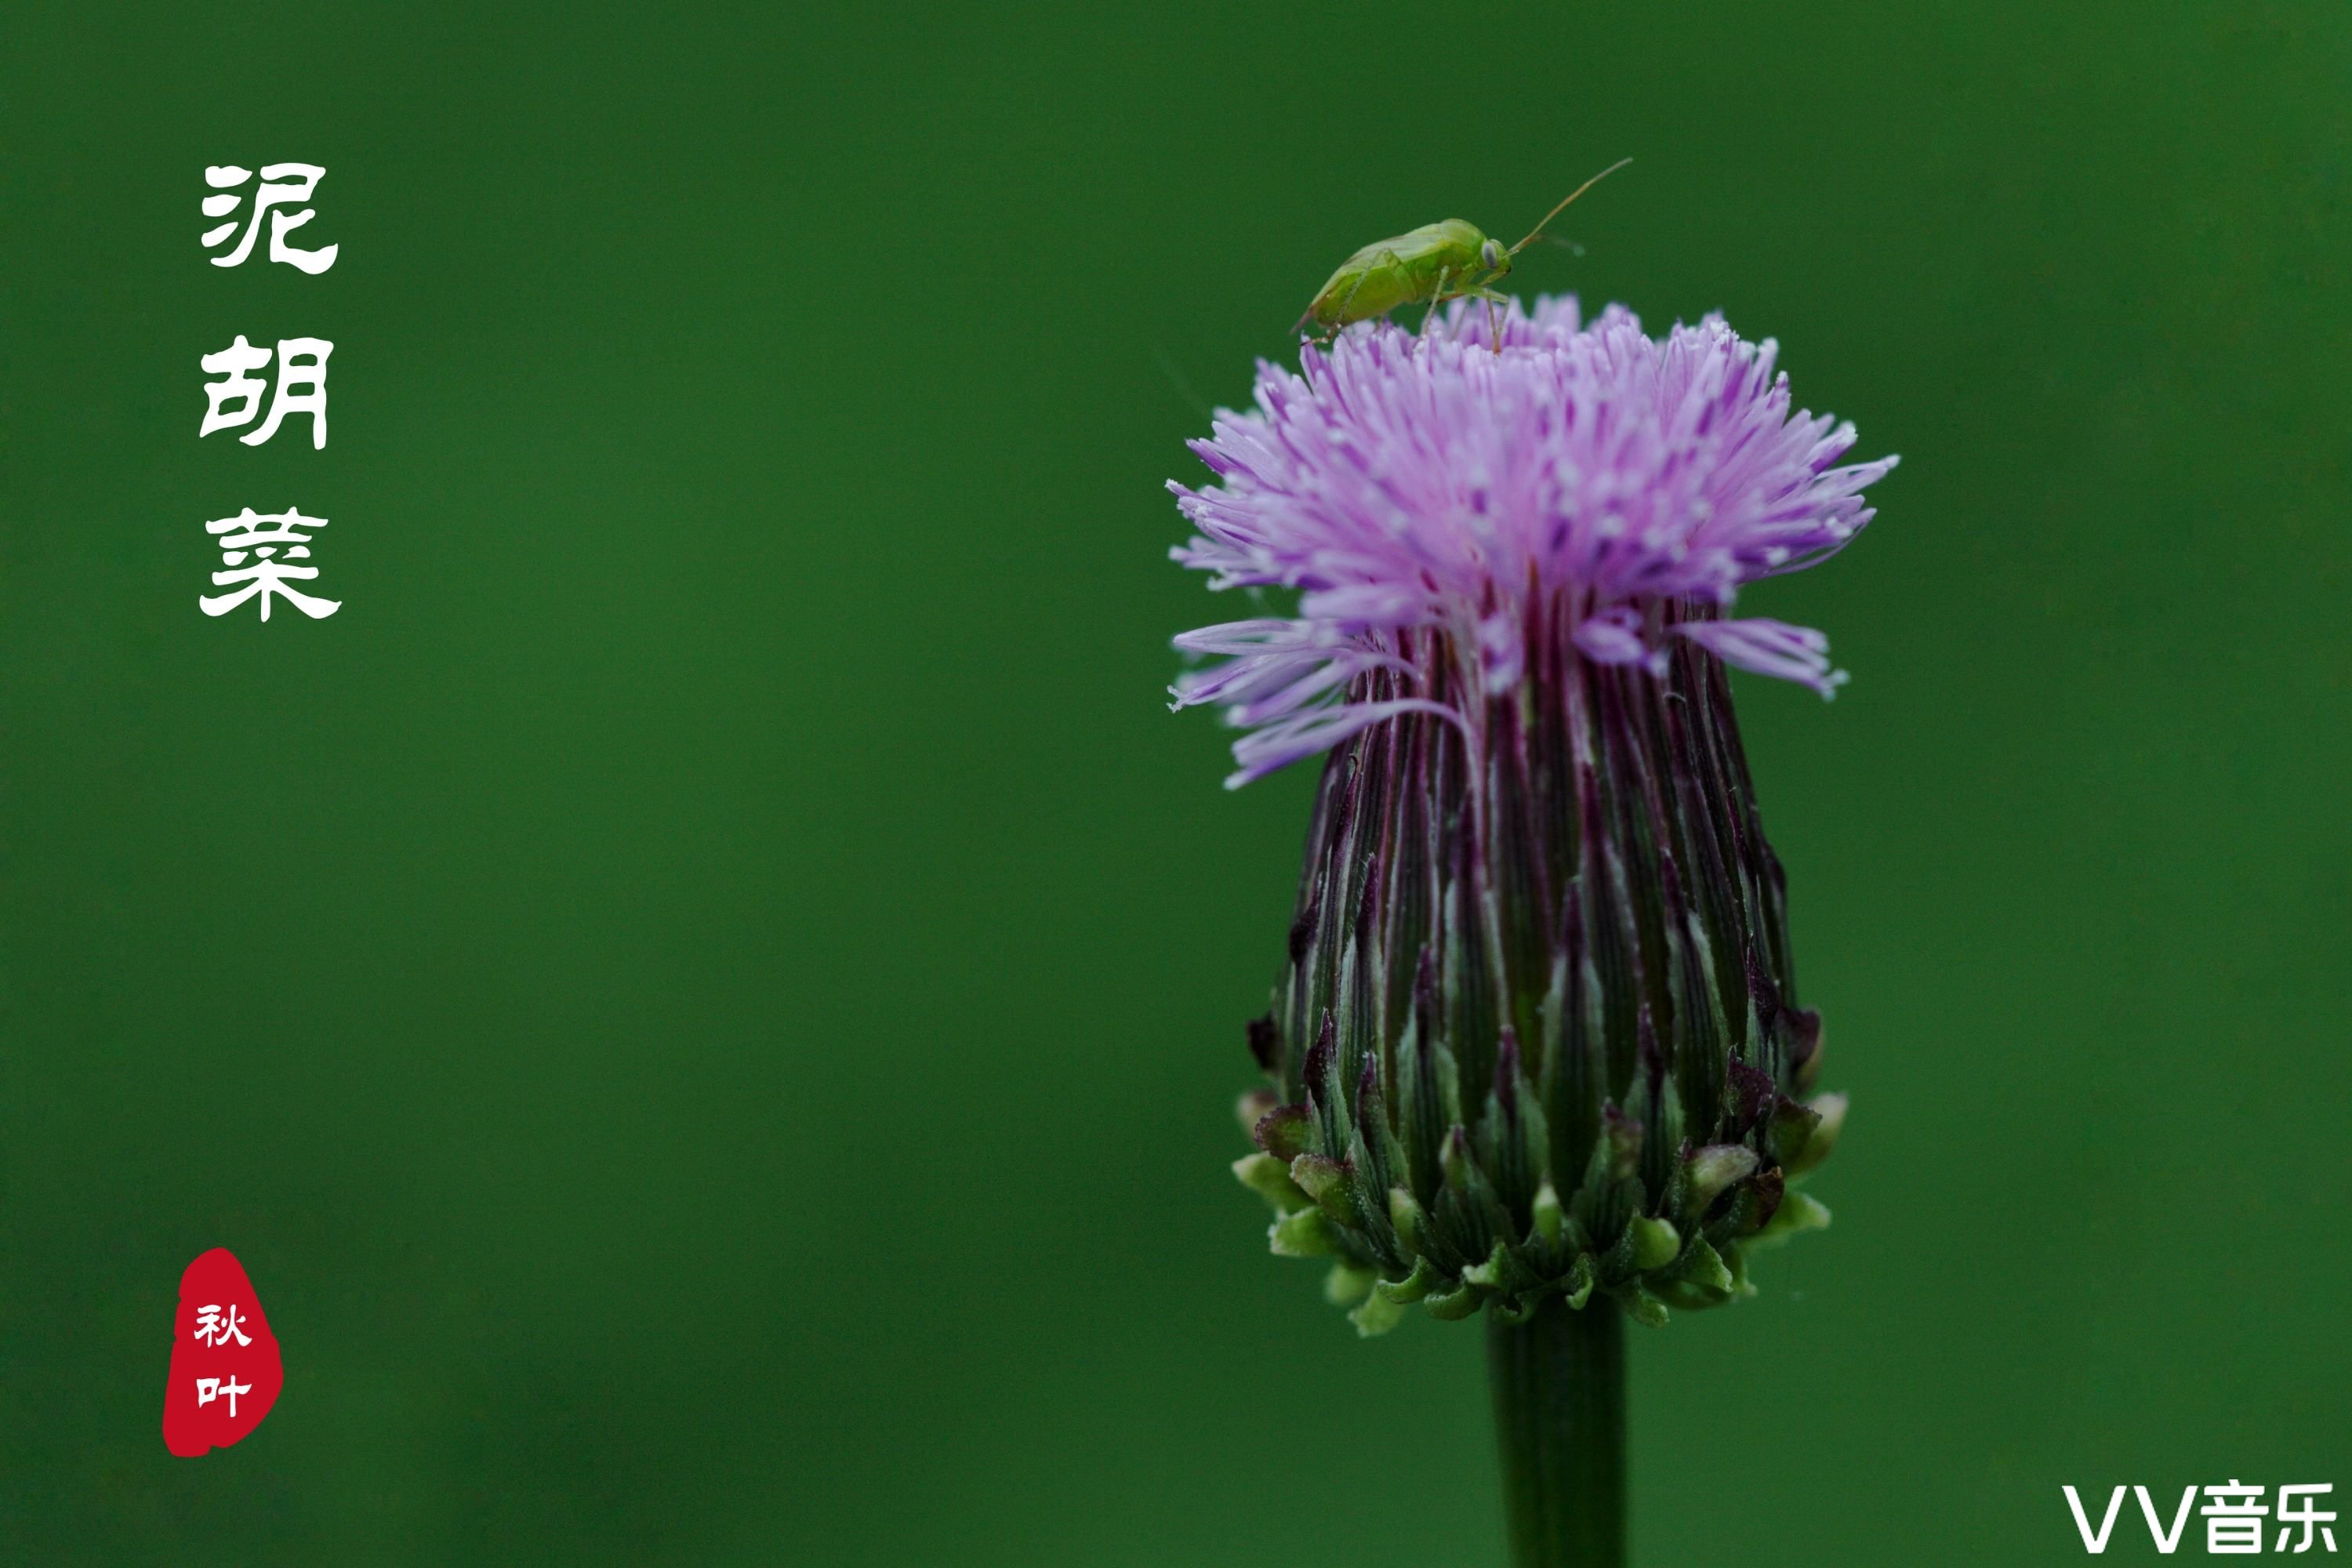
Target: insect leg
[
  {"x": 1435, "y": 295},
  {"x": 1340, "y": 316},
  {"x": 1480, "y": 292}
]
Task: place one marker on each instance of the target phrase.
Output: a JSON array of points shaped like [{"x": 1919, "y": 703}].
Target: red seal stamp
[{"x": 225, "y": 1372}]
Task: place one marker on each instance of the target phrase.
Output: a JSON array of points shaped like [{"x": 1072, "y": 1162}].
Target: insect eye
[{"x": 1491, "y": 255}]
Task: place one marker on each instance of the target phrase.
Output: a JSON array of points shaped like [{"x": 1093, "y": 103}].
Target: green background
[{"x": 707, "y": 998}]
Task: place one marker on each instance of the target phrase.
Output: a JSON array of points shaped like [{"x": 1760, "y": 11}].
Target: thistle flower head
[
  {"x": 1408, "y": 484},
  {"x": 1536, "y": 1028}
]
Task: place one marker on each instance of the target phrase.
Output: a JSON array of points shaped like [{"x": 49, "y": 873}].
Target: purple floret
[{"x": 1614, "y": 488}]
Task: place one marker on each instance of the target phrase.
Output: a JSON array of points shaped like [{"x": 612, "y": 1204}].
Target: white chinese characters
[
  {"x": 2233, "y": 1527},
  {"x": 244, "y": 537},
  {"x": 300, "y": 181},
  {"x": 262, "y": 554},
  {"x": 211, "y": 1388},
  {"x": 2235, "y": 1519},
  {"x": 2296, "y": 1506},
  {"x": 213, "y": 1329},
  {"x": 235, "y": 399}
]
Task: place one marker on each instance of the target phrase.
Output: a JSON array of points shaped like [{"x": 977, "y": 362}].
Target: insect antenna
[
  {"x": 1563, "y": 206},
  {"x": 1183, "y": 388}
]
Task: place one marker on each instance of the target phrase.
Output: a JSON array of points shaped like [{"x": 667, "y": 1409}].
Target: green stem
[{"x": 1560, "y": 1422}]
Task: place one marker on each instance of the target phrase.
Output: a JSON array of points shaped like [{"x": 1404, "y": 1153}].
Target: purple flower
[
  {"x": 1535, "y": 1032},
  {"x": 1438, "y": 506}
]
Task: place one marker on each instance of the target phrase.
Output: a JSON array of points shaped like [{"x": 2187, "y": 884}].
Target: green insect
[{"x": 1434, "y": 263}]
